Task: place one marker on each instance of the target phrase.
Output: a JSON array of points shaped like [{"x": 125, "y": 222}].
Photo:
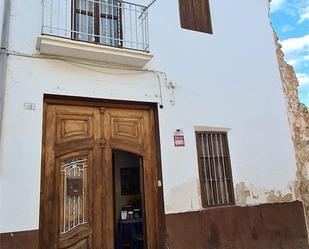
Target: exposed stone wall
[{"x": 299, "y": 125}]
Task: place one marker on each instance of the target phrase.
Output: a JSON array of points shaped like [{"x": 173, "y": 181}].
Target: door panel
[
  {"x": 127, "y": 131},
  {"x": 71, "y": 127},
  {"x": 70, "y": 159},
  {"x": 127, "y": 128},
  {"x": 131, "y": 130},
  {"x": 77, "y": 207}
]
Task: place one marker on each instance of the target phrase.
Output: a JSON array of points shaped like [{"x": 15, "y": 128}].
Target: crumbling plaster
[
  {"x": 299, "y": 125},
  {"x": 298, "y": 116},
  {"x": 248, "y": 194}
]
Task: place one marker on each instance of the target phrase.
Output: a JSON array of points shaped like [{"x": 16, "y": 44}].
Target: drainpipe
[{"x": 3, "y": 54}]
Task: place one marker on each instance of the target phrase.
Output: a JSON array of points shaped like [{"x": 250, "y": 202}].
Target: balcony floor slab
[{"x": 58, "y": 46}]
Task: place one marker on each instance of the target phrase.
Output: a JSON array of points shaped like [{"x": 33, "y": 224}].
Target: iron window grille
[{"x": 214, "y": 169}]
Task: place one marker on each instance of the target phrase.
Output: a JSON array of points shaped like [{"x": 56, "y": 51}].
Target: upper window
[
  {"x": 214, "y": 169},
  {"x": 195, "y": 15},
  {"x": 98, "y": 21}
]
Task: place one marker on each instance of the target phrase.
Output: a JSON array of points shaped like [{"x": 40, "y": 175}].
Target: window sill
[
  {"x": 58, "y": 46},
  {"x": 220, "y": 207}
]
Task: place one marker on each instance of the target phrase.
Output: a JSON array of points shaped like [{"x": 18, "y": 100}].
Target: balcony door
[
  {"x": 77, "y": 190},
  {"x": 97, "y": 21}
]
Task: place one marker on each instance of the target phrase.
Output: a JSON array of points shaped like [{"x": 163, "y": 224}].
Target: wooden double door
[{"x": 77, "y": 207}]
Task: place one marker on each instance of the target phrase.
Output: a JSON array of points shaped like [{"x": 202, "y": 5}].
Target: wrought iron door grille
[{"x": 72, "y": 208}]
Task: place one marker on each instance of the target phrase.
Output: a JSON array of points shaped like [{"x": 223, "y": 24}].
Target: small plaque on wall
[{"x": 179, "y": 138}]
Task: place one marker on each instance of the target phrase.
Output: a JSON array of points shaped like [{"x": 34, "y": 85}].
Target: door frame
[{"x": 161, "y": 242}]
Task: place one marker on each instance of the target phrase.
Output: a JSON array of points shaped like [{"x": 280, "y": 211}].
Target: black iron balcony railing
[{"x": 108, "y": 22}]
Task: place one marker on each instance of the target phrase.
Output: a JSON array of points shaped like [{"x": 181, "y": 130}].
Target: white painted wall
[
  {"x": 229, "y": 79},
  {"x": 1, "y": 18}
]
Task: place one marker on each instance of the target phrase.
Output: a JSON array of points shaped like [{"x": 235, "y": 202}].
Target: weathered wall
[
  {"x": 299, "y": 125},
  {"x": 20, "y": 240},
  {"x": 218, "y": 84},
  {"x": 269, "y": 226}
]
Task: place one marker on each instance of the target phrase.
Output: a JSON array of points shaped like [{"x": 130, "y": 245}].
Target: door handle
[{"x": 102, "y": 142}]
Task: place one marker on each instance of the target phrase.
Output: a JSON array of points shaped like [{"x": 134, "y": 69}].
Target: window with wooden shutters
[
  {"x": 214, "y": 169},
  {"x": 195, "y": 15}
]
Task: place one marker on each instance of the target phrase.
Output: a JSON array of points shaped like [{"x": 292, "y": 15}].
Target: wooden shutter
[
  {"x": 195, "y": 15},
  {"x": 186, "y": 14}
]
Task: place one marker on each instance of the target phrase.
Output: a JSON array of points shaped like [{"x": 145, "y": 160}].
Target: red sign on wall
[{"x": 179, "y": 138}]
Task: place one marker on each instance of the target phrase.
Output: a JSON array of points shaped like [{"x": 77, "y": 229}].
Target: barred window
[{"x": 214, "y": 169}]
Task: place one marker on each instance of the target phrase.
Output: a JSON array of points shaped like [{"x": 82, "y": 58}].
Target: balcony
[{"x": 113, "y": 31}]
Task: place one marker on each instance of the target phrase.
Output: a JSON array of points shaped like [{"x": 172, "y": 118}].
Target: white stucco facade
[
  {"x": 1, "y": 18},
  {"x": 229, "y": 80}
]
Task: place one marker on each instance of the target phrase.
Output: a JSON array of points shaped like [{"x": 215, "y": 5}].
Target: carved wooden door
[
  {"x": 77, "y": 176},
  {"x": 71, "y": 178},
  {"x": 132, "y": 130}
]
